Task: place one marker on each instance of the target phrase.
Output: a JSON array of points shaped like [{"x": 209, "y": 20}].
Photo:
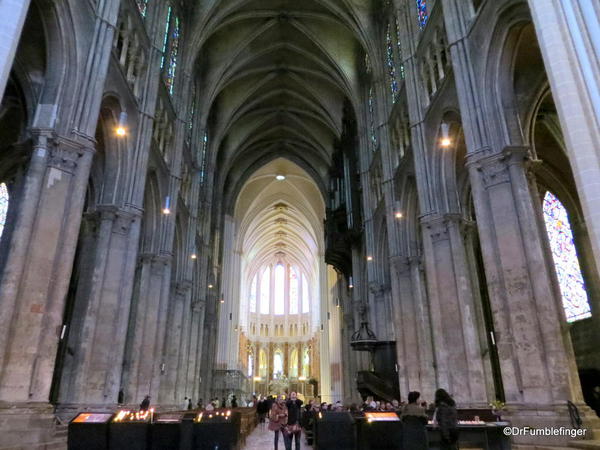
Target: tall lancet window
[
  {"x": 305, "y": 295},
  {"x": 399, "y": 48},
  {"x": 279, "y": 300},
  {"x": 294, "y": 363},
  {"x": 203, "y": 158},
  {"x": 391, "y": 65},
  {"x": 252, "y": 299},
  {"x": 306, "y": 363},
  {"x": 372, "y": 132},
  {"x": 422, "y": 14},
  {"x": 265, "y": 287},
  {"x": 294, "y": 288},
  {"x": 3, "y": 206},
  {"x": 250, "y": 365},
  {"x": 170, "y": 49},
  {"x": 572, "y": 288},
  {"x": 278, "y": 363}
]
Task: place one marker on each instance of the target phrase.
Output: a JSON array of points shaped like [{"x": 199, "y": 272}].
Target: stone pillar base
[
  {"x": 30, "y": 426},
  {"x": 549, "y": 417}
]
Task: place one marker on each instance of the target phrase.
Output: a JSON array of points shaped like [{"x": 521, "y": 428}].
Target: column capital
[
  {"x": 64, "y": 153},
  {"x": 494, "y": 166},
  {"x": 154, "y": 258},
  {"x": 122, "y": 218},
  {"x": 181, "y": 288},
  {"x": 404, "y": 264},
  {"x": 437, "y": 225}
]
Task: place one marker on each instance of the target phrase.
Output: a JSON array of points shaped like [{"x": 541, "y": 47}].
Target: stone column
[
  {"x": 13, "y": 13},
  {"x": 568, "y": 36},
  {"x": 183, "y": 350},
  {"x": 38, "y": 266},
  {"x": 99, "y": 324},
  {"x": 169, "y": 393},
  {"x": 459, "y": 366},
  {"x": 195, "y": 354},
  {"x": 414, "y": 344},
  {"x": 537, "y": 364}
]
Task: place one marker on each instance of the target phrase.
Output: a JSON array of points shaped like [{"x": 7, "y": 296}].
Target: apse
[{"x": 273, "y": 279}]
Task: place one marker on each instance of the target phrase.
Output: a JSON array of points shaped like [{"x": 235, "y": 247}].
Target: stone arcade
[{"x": 201, "y": 198}]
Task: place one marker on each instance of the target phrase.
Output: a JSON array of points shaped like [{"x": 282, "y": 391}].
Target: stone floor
[{"x": 262, "y": 439}]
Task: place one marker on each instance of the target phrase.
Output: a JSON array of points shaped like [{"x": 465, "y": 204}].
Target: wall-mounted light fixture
[
  {"x": 121, "y": 129},
  {"x": 445, "y": 140},
  {"x": 167, "y": 209}
]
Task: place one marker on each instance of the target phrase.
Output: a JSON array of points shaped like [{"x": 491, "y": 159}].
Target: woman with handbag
[
  {"x": 278, "y": 418},
  {"x": 293, "y": 430}
]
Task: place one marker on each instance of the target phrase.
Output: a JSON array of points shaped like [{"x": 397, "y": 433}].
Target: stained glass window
[
  {"x": 3, "y": 206},
  {"x": 142, "y": 6},
  {"x": 277, "y": 363},
  {"x": 253, "y": 287},
  {"x": 203, "y": 157},
  {"x": 572, "y": 288},
  {"x": 262, "y": 364},
  {"x": 422, "y": 15},
  {"x": 373, "y": 136},
  {"x": 192, "y": 113},
  {"x": 294, "y": 288},
  {"x": 265, "y": 287},
  {"x": 306, "y": 363},
  {"x": 170, "y": 48},
  {"x": 399, "y": 48},
  {"x": 391, "y": 65},
  {"x": 294, "y": 363},
  {"x": 305, "y": 296},
  {"x": 279, "y": 300}
]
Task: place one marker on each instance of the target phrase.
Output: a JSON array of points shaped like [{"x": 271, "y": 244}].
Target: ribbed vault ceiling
[{"x": 274, "y": 76}]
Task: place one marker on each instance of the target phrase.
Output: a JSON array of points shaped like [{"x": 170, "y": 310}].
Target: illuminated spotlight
[
  {"x": 210, "y": 286},
  {"x": 194, "y": 256},
  {"x": 222, "y": 300},
  {"x": 369, "y": 258},
  {"x": 121, "y": 129},
  {"x": 445, "y": 140},
  {"x": 257, "y": 379},
  {"x": 398, "y": 215},
  {"x": 167, "y": 208},
  {"x": 280, "y": 177},
  {"x": 350, "y": 283}
]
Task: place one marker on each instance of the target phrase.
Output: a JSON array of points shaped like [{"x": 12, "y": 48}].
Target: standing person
[
  {"x": 234, "y": 403},
  {"x": 184, "y": 405},
  {"x": 145, "y": 403},
  {"x": 278, "y": 418},
  {"x": 447, "y": 420},
  {"x": 189, "y": 405},
  {"x": 414, "y": 422},
  {"x": 262, "y": 410},
  {"x": 294, "y": 431}
]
